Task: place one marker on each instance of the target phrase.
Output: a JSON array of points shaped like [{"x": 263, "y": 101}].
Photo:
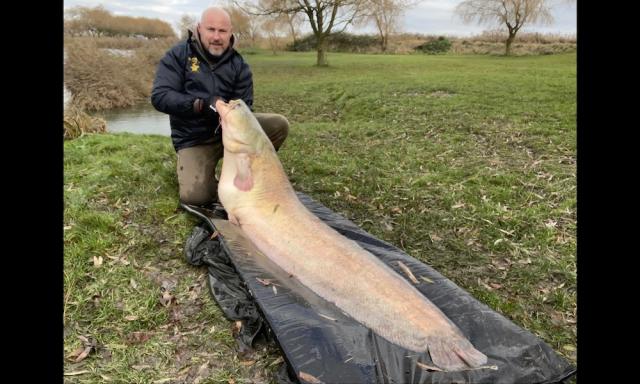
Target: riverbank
[
  {"x": 465, "y": 162},
  {"x": 100, "y": 74}
]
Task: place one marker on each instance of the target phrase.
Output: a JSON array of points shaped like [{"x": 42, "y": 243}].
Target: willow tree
[
  {"x": 324, "y": 16},
  {"x": 100, "y": 22},
  {"x": 386, "y": 15},
  {"x": 245, "y": 26},
  {"x": 513, "y": 14}
]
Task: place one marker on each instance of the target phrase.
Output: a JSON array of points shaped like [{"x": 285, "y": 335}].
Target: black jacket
[{"x": 185, "y": 74}]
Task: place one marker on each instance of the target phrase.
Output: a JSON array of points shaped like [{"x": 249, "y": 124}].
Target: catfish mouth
[
  {"x": 235, "y": 142},
  {"x": 224, "y": 108}
]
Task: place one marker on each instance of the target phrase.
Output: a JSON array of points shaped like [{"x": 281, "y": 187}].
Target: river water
[{"x": 143, "y": 119}]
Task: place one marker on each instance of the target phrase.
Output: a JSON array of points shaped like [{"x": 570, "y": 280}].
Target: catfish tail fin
[{"x": 454, "y": 353}]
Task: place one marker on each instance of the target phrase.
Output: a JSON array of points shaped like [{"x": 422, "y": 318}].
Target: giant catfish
[{"x": 259, "y": 198}]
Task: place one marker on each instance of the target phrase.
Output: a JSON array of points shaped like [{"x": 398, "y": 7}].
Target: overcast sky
[{"x": 433, "y": 17}]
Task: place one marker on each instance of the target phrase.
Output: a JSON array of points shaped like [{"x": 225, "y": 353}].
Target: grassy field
[{"x": 465, "y": 162}]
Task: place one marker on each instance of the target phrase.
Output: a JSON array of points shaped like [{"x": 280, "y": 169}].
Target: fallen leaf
[
  {"x": 203, "y": 370},
  {"x": 498, "y": 241},
  {"x": 84, "y": 354},
  {"x": 428, "y": 280},
  {"x": 428, "y": 367},
  {"x": 138, "y": 337},
  {"x": 76, "y": 373},
  {"x": 276, "y": 361},
  {"x": 97, "y": 261},
  {"x": 264, "y": 282},
  {"x": 327, "y": 317},
  {"x": 133, "y": 284},
  {"x": 308, "y": 377},
  {"x": 235, "y": 330},
  {"x": 570, "y": 348},
  {"x": 84, "y": 339},
  {"x": 434, "y": 237},
  {"x": 480, "y": 282},
  {"x": 75, "y": 353},
  {"x": 167, "y": 299},
  {"x": 408, "y": 272},
  {"x": 131, "y": 317},
  {"x": 492, "y": 367},
  {"x": 167, "y": 285},
  {"x": 556, "y": 319},
  {"x": 459, "y": 205},
  {"x": 495, "y": 285}
]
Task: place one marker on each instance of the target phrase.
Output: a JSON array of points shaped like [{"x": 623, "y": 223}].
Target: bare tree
[
  {"x": 273, "y": 28},
  {"x": 294, "y": 21},
  {"x": 324, "y": 16},
  {"x": 245, "y": 26},
  {"x": 512, "y": 13},
  {"x": 385, "y": 15},
  {"x": 186, "y": 23}
]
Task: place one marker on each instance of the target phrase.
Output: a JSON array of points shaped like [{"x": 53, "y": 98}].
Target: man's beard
[{"x": 216, "y": 54}]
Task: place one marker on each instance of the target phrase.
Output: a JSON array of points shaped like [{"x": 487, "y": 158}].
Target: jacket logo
[{"x": 195, "y": 66}]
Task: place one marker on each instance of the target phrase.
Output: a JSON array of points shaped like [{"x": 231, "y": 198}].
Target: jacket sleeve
[
  {"x": 168, "y": 94},
  {"x": 244, "y": 85}
]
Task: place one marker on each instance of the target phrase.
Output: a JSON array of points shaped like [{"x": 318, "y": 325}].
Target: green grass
[{"x": 465, "y": 162}]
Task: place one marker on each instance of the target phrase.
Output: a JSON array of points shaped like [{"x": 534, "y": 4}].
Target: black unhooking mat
[{"x": 322, "y": 344}]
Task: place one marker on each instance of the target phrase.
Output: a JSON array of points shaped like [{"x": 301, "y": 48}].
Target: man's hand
[
  {"x": 198, "y": 106},
  {"x": 201, "y": 106}
]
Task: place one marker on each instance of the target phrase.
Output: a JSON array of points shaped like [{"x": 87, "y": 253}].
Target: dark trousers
[{"x": 196, "y": 166}]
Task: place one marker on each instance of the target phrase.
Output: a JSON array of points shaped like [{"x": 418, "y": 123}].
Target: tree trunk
[
  {"x": 385, "y": 40},
  {"x": 293, "y": 33},
  {"x": 322, "y": 47},
  {"x": 508, "y": 42}
]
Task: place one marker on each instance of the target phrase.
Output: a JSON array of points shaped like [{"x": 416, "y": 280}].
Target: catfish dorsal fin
[{"x": 244, "y": 179}]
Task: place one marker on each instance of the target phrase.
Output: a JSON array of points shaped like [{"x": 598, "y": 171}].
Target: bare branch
[{"x": 513, "y": 14}]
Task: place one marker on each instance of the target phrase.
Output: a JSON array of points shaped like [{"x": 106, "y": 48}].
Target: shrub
[
  {"x": 441, "y": 45},
  {"x": 76, "y": 123},
  {"x": 99, "y": 79},
  {"x": 337, "y": 42}
]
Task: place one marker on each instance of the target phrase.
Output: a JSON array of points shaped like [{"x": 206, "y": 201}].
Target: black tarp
[{"x": 319, "y": 342}]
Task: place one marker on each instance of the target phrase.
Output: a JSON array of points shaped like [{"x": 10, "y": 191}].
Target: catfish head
[
  {"x": 251, "y": 170},
  {"x": 241, "y": 132}
]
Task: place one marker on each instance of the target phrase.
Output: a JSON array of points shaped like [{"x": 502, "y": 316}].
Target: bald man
[{"x": 190, "y": 77}]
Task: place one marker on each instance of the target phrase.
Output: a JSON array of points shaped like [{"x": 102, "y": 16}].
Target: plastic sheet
[{"x": 320, "y": 342}]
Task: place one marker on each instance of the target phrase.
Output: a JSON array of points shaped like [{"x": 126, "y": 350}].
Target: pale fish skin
[{"x": 258, "y": 197}]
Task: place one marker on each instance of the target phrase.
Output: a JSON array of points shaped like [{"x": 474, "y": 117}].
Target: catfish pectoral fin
[{"x": 454, "y": 354}]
